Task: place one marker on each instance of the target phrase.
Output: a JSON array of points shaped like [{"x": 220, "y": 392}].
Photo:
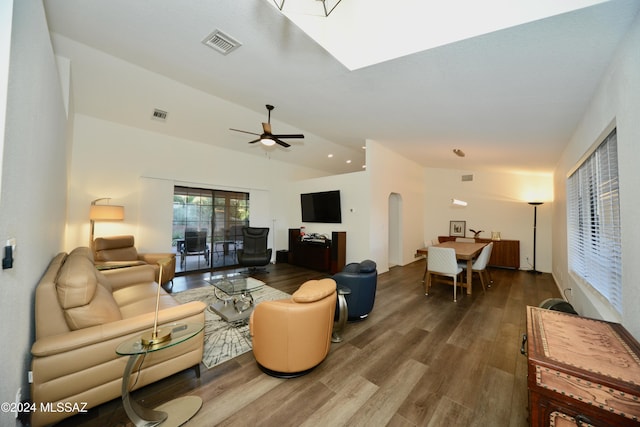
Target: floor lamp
[
  {"x": 103, "y": 213},
  {"x": 535, "y": 215}
]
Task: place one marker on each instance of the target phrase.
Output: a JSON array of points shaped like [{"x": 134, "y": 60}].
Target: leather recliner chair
[
  {"x": 292, "y": 336},
  {"x": 121, "y": 249},
  {"x": 361, "y": 278},
  {"x": 254, "y": 252}
]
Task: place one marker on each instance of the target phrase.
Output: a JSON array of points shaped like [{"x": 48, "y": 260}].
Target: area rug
[{"x": 224, "y": 341}]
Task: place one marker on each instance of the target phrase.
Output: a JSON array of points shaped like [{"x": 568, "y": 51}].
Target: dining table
[{"x": 465, "y": 251}]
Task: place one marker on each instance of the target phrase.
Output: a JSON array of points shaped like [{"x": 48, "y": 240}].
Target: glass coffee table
[{"x": 234, "y": 302}]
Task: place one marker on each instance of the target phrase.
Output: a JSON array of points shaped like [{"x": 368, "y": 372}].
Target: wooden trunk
[{"x": 581, "y": 371}]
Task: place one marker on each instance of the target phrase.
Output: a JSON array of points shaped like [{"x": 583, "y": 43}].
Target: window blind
[{"x": 593, "y": 222}]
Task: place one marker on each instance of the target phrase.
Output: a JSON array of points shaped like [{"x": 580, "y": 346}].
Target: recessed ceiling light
[
  {"x": 348, "y": 161},
  {"x": 458, "y": 152},
  {"x": 330, "y": 156}
]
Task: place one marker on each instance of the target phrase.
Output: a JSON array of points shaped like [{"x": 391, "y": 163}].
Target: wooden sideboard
[
  {"x": 581, "y": 371},
  {"x": 505, "y": 253},
  {"x": 329, "y": 255}
]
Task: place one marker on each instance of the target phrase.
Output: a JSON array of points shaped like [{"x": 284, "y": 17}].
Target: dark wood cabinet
[
  {"x": 328, "y": 255},
  {"x": 581, "y": 371},
  {"x": 505, "y": 253}
]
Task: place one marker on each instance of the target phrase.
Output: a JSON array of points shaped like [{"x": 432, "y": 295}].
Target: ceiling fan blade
[
  {"x": 244, "y": 131},
  {"x": 295, "y": 135},
  {"x": 266, "y": 127},
  {"x": 254, "y": 141},
  {"x": 284, "y": 144}
]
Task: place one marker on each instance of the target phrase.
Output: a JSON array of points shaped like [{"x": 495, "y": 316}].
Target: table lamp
[{"x": 156, "y": 336}]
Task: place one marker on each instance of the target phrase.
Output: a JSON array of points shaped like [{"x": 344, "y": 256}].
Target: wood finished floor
[{"x": 416, "y": 361}]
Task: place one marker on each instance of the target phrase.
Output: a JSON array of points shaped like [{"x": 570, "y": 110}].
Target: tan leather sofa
[
  {"x": 114, "y": 250},
  {"x": 292, "y": 336},
  {"x": 82, "y": 315}
]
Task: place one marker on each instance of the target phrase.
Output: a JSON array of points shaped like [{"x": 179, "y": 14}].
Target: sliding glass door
[{"x": 207, "y": 227}]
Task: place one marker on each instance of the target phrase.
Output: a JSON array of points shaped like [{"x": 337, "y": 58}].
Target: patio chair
[{"x": 195, "y": 243}]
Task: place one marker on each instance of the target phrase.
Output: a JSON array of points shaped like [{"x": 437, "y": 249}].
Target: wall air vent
[
  {"x": 466, "y": 178},
  {"x": 159, "y": 115},
  {"x": 221, "y": 42}
]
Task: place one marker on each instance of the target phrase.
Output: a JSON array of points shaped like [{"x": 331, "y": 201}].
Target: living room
[{"x": 49, "y": 179}]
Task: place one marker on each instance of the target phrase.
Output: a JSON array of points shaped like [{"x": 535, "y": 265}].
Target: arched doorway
[{"x": 395, "y": 230}]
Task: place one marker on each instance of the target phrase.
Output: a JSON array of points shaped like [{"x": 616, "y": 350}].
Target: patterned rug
[{"x": 223, "y": 340}]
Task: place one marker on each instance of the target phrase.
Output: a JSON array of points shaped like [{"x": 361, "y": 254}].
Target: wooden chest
[{"x": 581, "y": 371}]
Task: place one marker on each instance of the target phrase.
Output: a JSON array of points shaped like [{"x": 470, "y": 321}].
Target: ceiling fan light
[{"x": 267, "y": 142}]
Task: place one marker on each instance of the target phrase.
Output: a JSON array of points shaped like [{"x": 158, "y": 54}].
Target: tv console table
[{"x": 328, "y": 255}]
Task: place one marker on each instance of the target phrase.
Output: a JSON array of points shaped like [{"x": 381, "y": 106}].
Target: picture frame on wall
[{"x": 457, "y": 228}]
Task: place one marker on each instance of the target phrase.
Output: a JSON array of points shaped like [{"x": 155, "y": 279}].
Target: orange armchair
[
  {"x": 119, "y": 250},
  {"x": 293, "y": 336}
]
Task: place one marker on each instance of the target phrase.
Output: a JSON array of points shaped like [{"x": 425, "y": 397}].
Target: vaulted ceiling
[{"x": 509, "y": 98}]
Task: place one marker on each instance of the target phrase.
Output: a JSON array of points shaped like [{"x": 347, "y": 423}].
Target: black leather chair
[
  {"x": 361, "y": 278},
  {"x": 254, "y": 252},
  {"x": 195, "y": 243}
]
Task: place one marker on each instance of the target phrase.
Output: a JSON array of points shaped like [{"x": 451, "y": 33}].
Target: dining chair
[
  {"x": 428, "y": 244},
  {"x": 442, "y": 261},
  {"x": 480, "y": 265}
]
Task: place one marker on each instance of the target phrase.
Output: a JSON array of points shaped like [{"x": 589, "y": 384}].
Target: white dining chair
[
  {"x": 442, "y": 262},
  {"x": 480, "y": 264},
  {"x": 428, "y": 244}
]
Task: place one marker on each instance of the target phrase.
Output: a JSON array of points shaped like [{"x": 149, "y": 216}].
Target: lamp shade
[{"x": 106, "y": 213}]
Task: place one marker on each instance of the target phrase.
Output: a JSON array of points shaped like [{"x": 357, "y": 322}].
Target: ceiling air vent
[
  {"x": 467, "y": 178},
  {"x": 221, "y": 42},
  {"x": 159, "y": 115}
]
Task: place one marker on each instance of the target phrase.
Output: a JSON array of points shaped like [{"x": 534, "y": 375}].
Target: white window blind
[{"x": 593, "y": 222}]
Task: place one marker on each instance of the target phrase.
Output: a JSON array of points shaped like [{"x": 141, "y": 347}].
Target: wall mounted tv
[{"x": 321, "y": 207}]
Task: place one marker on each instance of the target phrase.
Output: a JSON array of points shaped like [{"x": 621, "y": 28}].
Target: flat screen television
[{"x": 321, "y": 207}]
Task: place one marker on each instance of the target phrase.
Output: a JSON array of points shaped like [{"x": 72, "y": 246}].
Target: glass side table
[{"x": 170, "y": 414}]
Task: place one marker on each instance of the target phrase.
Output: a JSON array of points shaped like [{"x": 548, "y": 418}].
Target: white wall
[
  {"x": 391, "y": 173},
  {"x": 33, "y": 195},
  {"x": 354, "y": 198},
  {"x": 497, "y": 201},
  {"x": 6, "y": 16},
  {"x": 138, "y": 169},
  {"x": 616, "y": 100}
]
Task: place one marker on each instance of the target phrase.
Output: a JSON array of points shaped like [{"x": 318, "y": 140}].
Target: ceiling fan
[{"x": 267, "y": 138}]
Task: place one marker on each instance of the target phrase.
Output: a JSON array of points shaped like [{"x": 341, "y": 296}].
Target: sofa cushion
[
  {"x": 141, "y": 298},
  {"x": 314, "y": 290},
  {"x": 102, "y": 309},
  {"x": 76, "y": 283},
  {"x": 115, "y": 248},
  {"x": 82, "y": 251},
  {"x": 84, "y": 300}
]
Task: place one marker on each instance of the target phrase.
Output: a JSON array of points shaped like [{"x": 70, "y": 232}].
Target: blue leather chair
[{"x": 361, "y": 278}]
